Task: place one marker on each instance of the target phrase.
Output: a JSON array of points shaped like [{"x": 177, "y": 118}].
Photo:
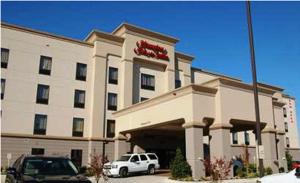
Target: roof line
[
  {"x": 42, "y": 33},
  {"x": 148, "y": 32},
  {"x": 215, "y": 74}
]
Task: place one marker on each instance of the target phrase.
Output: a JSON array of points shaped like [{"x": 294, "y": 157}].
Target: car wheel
[
  {"x": 123, "y": 172},
  {"x": 151, "y": 170}
]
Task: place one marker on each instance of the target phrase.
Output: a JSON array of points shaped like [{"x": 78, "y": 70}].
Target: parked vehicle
[
  {"x": 132, "y": 163},
  {"x": 290, "y": 177},
  {"x": 295, "y": 164},
  {"x": 44, "y": 169}
]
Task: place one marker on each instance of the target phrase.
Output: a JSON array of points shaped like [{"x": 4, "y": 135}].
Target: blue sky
[{"x": 214, "y": 32}]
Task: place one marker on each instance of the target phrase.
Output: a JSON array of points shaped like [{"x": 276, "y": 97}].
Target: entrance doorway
[{"x": 165, "y": 156}]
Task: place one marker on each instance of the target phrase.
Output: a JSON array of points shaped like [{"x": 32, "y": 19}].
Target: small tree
[
  {"x": 218, "y": 169},
  {"x": 179, "y": 167},
  {"x": 289, "y": 160},
  {"x": 96, "y": 165}
]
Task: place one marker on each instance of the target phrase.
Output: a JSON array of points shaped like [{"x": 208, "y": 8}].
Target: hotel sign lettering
[{"x": 151, "y": 50}]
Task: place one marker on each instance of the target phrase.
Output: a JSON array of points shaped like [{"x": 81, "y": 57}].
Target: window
[
  {"x": 287, "y": 142},
  {"x": 286, "y": 127},
  {"x": 234, "y": 138},
  {"x": 152, "y": 156},
  {"x": 45, "y": 65},
  {"x": 42, "y": 94},
  {"x": 143, "y": 99},
  {"x": 112, "y": 101},
  {"x": 143, "y": 157},
  {"x": 81, "y": 71},
  {"x": 40, "y": 124},
  {"x": 37, "y": 151},
  {"x": 4, "y": 57},
  {"x": 147, "y": 82},
  {"x": 2, "y": 88},
  {"x": 78, "y": 124},
  {"x": 284, "y": 112},
  {"x": 110, "y": 130},
  {"x": 76, "y": 157},
  {"x": 113, "y": 75},
  {"x": 177, "y": 83},
  {"x": 79, "y": 98},
  {"x": 134, "y": 158},
  {"x": 247, "y": 141}
]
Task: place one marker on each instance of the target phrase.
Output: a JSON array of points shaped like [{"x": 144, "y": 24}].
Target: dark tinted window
[
  {"x": 37, "y": 151},
  {"x": 40, "y": 124},
  {"x": 2, "y": 88},
  {"x": 112, "y": 101},
  {"x": 81, "y": 71},
  {"x": 78, "y": 126},
  {"x": 42, "y": 96},
  {"x": 48, "y": 166},
  {"x": 143, "y": 157},
  {"x": 134, "y": 158},
  {"x": 45, "y": 65},
  {"x": 110, "y": 131},
  {"x": 76, "y": 157},
  {"x": 79, "y": 99},
  {"x": 4, "y": 57},
  {"x": 177, "y": 83},
  {"x": 113, "y": 75},
  {"x": 143, "y": 99},
  {"x": 152, "y": 156},
  {"x": 147, "y": 82}
]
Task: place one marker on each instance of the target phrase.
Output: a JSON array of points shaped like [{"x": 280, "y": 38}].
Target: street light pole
[{"x": 255, "y": 90}]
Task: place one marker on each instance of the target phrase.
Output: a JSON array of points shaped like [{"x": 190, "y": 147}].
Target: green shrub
[
  {"x": 252, "y": 168},
  {"x": 268, "y": 171},
  {"x": 179, "y": 167},
  {"x": 241, "y": 172},
  {"x": 289, "y": 160}
]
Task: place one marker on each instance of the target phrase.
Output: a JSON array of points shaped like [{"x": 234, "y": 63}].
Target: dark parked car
[{"x": 46, "y": 169}]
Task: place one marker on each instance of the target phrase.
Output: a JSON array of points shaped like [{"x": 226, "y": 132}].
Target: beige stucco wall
[{"x": 22, "y": 78}]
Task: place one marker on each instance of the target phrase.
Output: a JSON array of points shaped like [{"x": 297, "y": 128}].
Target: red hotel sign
[{"x": 151, "y": 50}]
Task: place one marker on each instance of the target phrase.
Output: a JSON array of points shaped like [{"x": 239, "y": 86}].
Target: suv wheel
[
  {"x": 123, "y": 172},
  {"x": 151, "y": 170}
]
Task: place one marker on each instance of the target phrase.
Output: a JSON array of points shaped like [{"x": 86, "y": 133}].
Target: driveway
[{"x": 154, "y": 179}]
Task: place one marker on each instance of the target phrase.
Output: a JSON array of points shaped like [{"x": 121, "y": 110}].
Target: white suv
[{"x": 131, "y": 163}]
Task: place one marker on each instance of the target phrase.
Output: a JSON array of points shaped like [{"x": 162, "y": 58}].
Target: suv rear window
[
  {"x": 152, "y": 156},
  {"x": 143, "y": 157},
  {"x": 49, "y": 166}
]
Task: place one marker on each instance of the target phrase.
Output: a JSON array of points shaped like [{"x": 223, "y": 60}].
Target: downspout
[{"x": 104, "y": 109}]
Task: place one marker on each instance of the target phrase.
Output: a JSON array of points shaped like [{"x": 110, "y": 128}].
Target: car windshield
[
  {"x": 49, "y": 166},
  {"x": 124, "y": 158}
]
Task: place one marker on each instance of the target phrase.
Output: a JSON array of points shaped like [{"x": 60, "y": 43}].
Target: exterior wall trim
[
  {"x": 166, "y": 97},
  {"x": 44, "y": 34},
  {"x": 97, "y": 35},
  {"x": 183, "y": 56},
  {"x": 50, "y": 137},
  {"x": 147, "y": 32}
]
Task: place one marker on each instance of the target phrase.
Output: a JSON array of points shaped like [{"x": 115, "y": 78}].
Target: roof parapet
[
  {"x": 136, "y": 29},
  {"x": 96, "y": 35}
]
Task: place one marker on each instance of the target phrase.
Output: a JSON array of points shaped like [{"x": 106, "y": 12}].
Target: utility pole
[{"x": 255, "y": 90}]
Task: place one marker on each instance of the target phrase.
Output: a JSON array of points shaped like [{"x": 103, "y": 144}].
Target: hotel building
[{"x": 131, "y": 91}]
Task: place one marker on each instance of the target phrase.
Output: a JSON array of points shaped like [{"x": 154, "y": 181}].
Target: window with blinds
[
  {"x": 110, "y": 129},
  {"x": 247, "y": 140},
  {"x": 113, "y": 75},
  {"x": 2, "y": 88},
  {"x": 78, "y": 124},
  {"x": 147, "y": 82},
  {"x": 79, "y": 99},
  {"x": 4, "y": 57},
  {"x": 45, "y": 65},
  {"x": 42, "y": 96},
  {"x": 234, "y": 138},
  {"x": 40, "y": 124},
  {"x": 112, "y": 101},
  {"x": 81, "y": 70}
]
